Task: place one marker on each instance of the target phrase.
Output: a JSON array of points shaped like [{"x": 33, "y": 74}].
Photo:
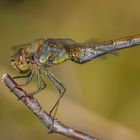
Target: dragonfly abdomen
[
  {"x": 94, "y": 50},
  {"x": 83, "y": 55}
]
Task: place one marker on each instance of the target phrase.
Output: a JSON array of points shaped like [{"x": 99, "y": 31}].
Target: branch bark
[{"x": 53, "y": 125}]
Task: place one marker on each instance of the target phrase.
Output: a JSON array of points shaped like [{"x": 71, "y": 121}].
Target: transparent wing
[
  {"x": 61, "y": 41},
  {"x": 26, "y": 45},
  {"x": 20, "y": 46},
  {"x": 88, "y": 44}
]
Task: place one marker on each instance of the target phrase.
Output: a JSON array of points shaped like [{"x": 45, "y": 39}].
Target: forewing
[{"x": 26, "y": 45}]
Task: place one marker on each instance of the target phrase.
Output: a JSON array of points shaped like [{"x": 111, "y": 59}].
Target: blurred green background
[{"x": 103, "y": 96}]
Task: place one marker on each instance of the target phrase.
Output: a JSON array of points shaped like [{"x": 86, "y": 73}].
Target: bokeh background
[{"x": 103, "y": 96}]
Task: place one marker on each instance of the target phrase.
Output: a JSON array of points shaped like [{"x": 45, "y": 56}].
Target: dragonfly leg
[
  {"x": 22, "y": 76},
  {"x": 29, "y": 76},
  {"x": 39, "y": 80},
  {"x": 55, "y": 107},
  {"x": 39, "y": 85},
  {"x": 61, "y": 89}
]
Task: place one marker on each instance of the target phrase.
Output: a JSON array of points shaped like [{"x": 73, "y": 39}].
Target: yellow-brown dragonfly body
[{"x": 37, "y": 56}]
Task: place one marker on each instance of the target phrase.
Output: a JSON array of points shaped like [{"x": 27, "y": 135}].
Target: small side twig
[{"x": 54, "y": 125}]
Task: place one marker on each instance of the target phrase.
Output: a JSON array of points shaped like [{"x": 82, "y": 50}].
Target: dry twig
[{"x": 54, "y": 125}]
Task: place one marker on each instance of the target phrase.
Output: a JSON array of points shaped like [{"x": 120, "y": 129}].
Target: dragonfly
[{"x": 37, "y": 56}]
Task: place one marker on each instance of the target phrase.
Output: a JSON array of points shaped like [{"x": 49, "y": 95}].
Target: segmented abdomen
[{"x": 86, "y": 52}]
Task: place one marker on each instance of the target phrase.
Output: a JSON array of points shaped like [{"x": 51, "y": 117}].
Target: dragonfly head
[{"x": 20, "y": 61}]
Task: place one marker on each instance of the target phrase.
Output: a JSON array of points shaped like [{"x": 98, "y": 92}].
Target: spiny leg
[
  {"x": 29, "y": 79},
  {"x": 39, "y": 80},
  {"x": 61, "y": 89},
  {"x": 57, "y": 103},
  {"x": 22, "y": 76},
  {"x": 29, "y": 76}
]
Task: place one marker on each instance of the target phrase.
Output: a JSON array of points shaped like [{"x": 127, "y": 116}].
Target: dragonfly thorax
[
  {"x": 50, "y": 55},
  {"x": 20, "y": 61}
]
